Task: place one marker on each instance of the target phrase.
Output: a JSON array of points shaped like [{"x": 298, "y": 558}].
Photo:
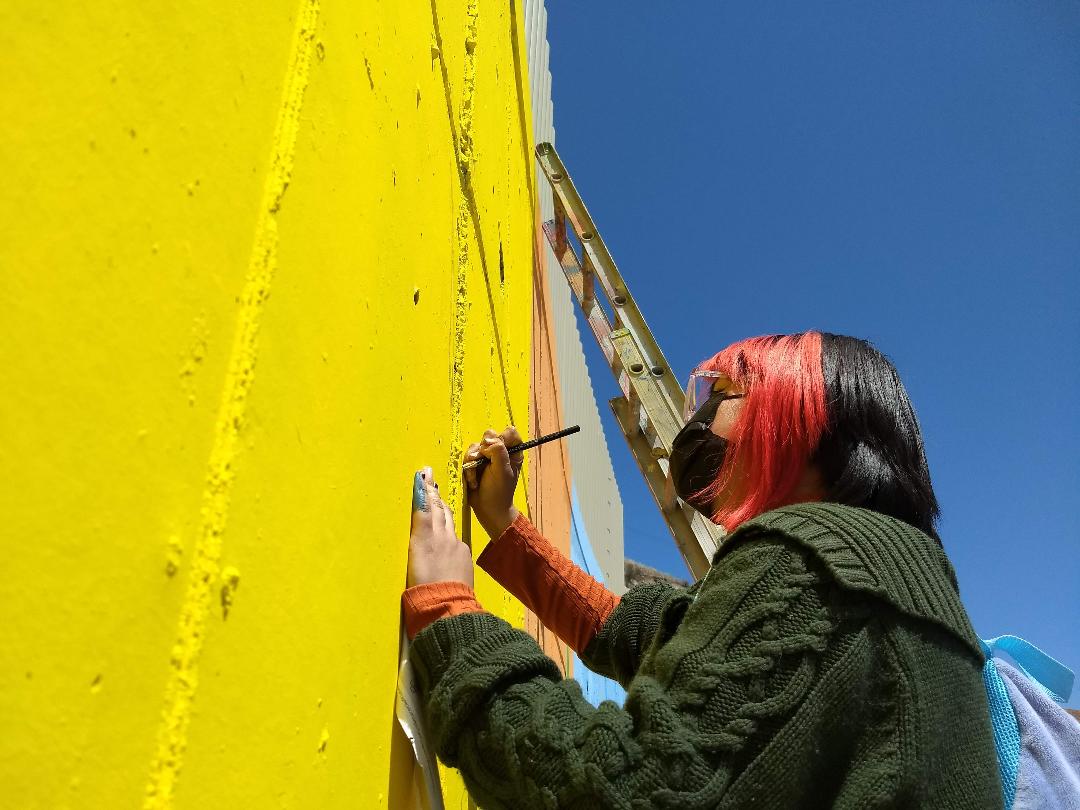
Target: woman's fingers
[
  {"x": 494, "y": 450},
  {"x": 511, "y": 438},
  {"x": 443, "y": 516},
  {"x": 435, "y": 551},
  {"x": 472, "y": 480},
  {"x": 422, "y": 496},
  {"x": 429, "y": 483},
  {"x": 429, "y": 509},
  {"x": 493, "y": 446},
  {"x": 475, "y": 453},
  {"x": 448, "y": 517}
]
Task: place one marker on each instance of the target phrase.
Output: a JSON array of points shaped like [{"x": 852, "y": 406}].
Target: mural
[{"x": 261, "y": 262}]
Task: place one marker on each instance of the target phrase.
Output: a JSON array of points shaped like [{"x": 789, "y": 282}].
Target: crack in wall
[{"x": 199, "y": 597}]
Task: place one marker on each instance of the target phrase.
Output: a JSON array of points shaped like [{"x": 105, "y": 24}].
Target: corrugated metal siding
[{"x": 594, "y": 478}]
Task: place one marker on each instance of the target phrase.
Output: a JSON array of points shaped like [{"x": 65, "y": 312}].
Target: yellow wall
[{"x": 245, "y": 294}]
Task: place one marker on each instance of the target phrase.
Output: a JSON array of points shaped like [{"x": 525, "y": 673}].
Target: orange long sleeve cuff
[
  {"x": 563, "y": 596},
  {"x": 423, "y": 604}
]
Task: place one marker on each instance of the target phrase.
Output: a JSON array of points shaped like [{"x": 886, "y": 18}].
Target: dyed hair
[{"x": 830, "y": 400}]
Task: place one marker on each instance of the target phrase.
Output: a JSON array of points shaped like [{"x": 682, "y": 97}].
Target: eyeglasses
[{"x": 700, "y": 389}]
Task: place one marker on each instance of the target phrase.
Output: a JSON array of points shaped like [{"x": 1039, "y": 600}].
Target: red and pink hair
[{"x": 781, "y": 424}]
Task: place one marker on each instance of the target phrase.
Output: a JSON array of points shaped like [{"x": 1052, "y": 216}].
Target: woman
[{"x": 825, "y": 660}]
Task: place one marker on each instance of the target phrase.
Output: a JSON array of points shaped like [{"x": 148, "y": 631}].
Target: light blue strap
[
  {"x": 1055, "y": 678},
  {"x": 1006, "y": 729}
]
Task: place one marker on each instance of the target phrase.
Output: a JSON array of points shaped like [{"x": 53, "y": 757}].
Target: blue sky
[{"x": 904, "y": 172}]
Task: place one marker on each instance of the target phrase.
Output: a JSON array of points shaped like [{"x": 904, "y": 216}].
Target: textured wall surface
[{"x": 260, "y": 262}]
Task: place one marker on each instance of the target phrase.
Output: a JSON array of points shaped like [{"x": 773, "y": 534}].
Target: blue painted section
[{"x": 596, "y": 688}]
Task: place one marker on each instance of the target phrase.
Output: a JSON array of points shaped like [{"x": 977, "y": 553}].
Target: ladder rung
[{"x": 647, "y": 386}]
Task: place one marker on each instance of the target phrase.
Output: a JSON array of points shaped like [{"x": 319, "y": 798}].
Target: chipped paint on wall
[{"x": 205, "y": 563}]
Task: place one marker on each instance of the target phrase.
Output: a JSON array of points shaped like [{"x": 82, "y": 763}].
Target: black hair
[{"x": 871, "y": 453}]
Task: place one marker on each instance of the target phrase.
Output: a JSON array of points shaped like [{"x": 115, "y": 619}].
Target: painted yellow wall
[{"x": 246, "y": 292}]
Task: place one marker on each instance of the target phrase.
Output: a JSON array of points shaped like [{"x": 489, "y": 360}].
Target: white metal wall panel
[{"x": 590, "y": 461}]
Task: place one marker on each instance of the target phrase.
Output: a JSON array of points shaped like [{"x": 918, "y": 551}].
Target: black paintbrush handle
[{"x": 527, "y": 445}]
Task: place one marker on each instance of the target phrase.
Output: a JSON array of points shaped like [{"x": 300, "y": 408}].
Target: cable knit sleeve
[
  {"x": 720, "y": 678},
  {"x": 616, "y": 650}
]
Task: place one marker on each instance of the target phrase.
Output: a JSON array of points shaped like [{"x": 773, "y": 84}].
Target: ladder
[{"x": 650, "y": 407}]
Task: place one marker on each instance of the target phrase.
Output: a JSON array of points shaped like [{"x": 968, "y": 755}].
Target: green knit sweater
[{"x": 824, "y": 661}]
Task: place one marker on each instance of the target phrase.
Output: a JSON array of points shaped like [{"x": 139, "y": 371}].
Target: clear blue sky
[{"x": 904, "y": 172}]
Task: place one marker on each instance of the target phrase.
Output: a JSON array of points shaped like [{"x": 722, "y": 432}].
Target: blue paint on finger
[{"x": 419, "y": 494}]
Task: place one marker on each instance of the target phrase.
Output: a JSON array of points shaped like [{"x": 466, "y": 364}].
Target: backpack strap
[
  {"x": 1006, "y": 729},
  {"x": 1051, "y": 675}
]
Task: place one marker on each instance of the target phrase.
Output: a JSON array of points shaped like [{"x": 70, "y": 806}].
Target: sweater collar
[{"x": 876, "y": 554}]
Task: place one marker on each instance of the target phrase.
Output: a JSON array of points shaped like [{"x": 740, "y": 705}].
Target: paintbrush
[{"x": 526, "y": 445}]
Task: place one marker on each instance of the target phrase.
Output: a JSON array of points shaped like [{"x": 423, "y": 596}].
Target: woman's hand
[
  {"x": 435, "y": 553},
  {"x": 491, "y": 487}
]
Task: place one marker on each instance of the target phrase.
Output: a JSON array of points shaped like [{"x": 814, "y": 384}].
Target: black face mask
[{"x": 697, "y": 454}]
